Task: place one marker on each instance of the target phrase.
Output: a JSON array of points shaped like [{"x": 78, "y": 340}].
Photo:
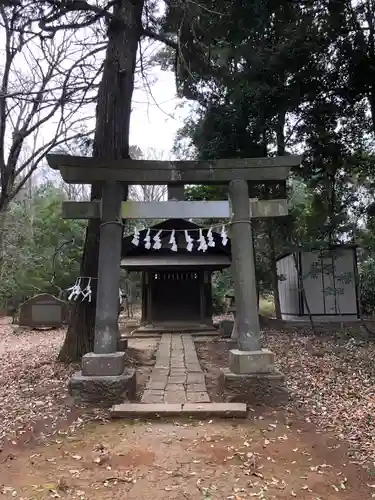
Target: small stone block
[
  {"x": 154, "y": 410},
  {"x": 122, "y": 344},
  {"x": 251, "y": 362},
  {"x": 108, "y": 365},
  {"x": 222, "y": 410},
  {"x": 197, "y": 397},
  {"x": 226, "y": 328}
]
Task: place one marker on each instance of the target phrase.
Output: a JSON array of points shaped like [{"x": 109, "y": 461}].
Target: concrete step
[{"x": 199, "y": 410}]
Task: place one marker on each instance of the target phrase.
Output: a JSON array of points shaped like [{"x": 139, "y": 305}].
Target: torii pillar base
[
  {"x": 101, "y": 390},
  {"x": 252, "y": 378}
]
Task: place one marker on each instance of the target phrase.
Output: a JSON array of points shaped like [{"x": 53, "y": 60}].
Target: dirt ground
[
  {"x": 264, "y": 459},
  {"x": 314, "y": 447}
]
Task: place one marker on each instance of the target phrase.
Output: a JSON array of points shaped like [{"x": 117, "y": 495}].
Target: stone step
[{"x": 200, "y": 410}]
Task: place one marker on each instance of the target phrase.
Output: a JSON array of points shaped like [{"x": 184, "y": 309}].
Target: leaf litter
[
  {"x": 33, "y": 385},
  {"x": 333, "y": 383}
]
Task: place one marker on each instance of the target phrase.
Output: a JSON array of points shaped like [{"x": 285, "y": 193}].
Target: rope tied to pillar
[
  {"x": 117, "y": 222},
  {"x": 239, "y": 222}
]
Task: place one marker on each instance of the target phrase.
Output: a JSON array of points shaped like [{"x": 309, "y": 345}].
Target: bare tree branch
[{"x": 44, "y": 81}]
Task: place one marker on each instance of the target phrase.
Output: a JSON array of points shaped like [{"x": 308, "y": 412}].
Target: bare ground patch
[{"x": 194, "y": 460}]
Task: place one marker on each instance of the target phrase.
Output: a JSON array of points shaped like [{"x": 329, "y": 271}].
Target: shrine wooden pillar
[
  {"x": 208, "y": 296},
  {"x": 149, "y": 297},
  {"x": 202, "y": 297},
  {"x": 143, "y": 298}
]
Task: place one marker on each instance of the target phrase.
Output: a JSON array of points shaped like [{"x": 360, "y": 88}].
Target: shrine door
[{"x": 176, "y": 296}]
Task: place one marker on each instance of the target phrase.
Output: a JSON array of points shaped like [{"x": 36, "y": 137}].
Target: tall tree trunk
[
  {"x": 111, "y": 142},
  {"x": 280, "y": 141},
  {"x": 371, "y": 99}
]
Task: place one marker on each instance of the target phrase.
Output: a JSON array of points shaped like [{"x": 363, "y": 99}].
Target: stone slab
[
  {"x": 177, "y": 379},
  {"x": 222, "y": 410},
  {"x": 175, "y": 396},
  {"x": 197, "y": 397},
  {"x": 175, "y": 372},
  {"x": 153, "y": 397},
  {"x": 194, "y": 368},
  {"x": 195, "y": 378},
  {"x": 275, "y": 376},
  {"x": 156, "y": 385},
  {"x": 103, "y": 390},
  {"x": 196, "y": 387},
  {"x": 251, "y": 362},
  {"x": 109, "y": 365},
  {"x": 160, "y": 370},
  {"x": 145, "y": 410},
  {"x": 153, "y": 392},
  {"x": 174, "y": 387}
]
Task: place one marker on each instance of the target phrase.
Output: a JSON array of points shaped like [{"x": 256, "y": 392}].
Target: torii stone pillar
[
  {"x": 249, "y": 360},
  {"x": 103, "y": 376},
  {"x": 247, "y": 318},
  {"x": 107, "y": 303}
]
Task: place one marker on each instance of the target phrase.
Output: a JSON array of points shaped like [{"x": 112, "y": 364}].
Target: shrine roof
[{"x": 217, "y": 256}]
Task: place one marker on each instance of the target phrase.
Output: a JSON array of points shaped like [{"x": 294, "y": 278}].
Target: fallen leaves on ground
[
  {"x": 333, "y": 382},
  {"x": 331, "y": 379},
  {"x": 33, "y": 386}
]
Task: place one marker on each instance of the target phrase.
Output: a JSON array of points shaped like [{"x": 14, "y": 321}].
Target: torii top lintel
[{"x": 87, "y": 170}]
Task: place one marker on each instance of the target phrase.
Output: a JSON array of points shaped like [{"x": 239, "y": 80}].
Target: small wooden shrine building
[{"x": 176, "y": 285}]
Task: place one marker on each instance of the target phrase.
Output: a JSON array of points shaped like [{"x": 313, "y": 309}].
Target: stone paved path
[{"x": 177, "y": 376}]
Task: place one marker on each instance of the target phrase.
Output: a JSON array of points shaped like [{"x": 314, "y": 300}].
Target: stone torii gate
[{"x": 104, "y": 375}]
